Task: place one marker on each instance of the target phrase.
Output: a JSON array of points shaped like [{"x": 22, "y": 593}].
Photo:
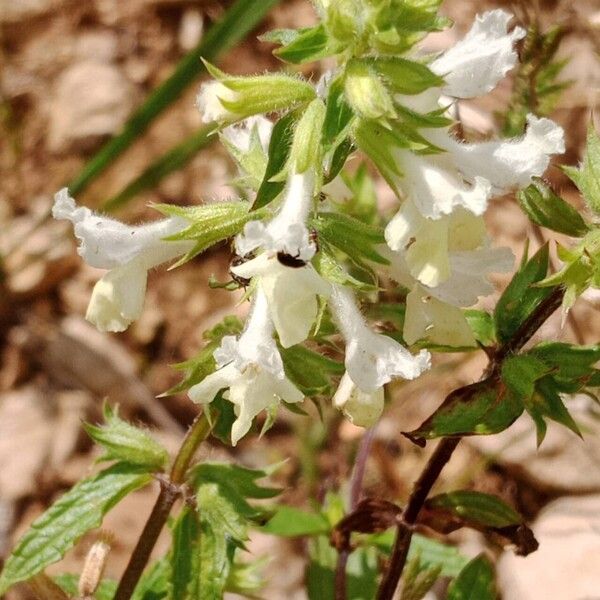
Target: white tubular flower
[
  {"x": 128, "y": 252},
  {"x": 291, "y": 288},
  {"x": 291, "y": 295},
  {"x": 436, "y": 187},
  {"x": 476, "y": 64},
  {"x": 441, "y": 323},
  {"x": 507, "y": 164},
  {"x": 252, "y": 370},
  {"x": 287, "y": 231},
  {"x": 209, "y": 102},
  {"x": 372, "y": 359},
  {"x": 240, "y": 134},
  {"x": 361, "y": 408}
]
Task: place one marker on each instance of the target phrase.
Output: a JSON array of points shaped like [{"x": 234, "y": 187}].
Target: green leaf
[
  {"x": 475, "y": 582},
  {"x": 279, "y": 150},
  {"x": 203, "y": 364},
  {"x": 310, "y": 371},
  {"x": 587, "y": 177},
  {"x": 69, "y": 584},
  {"x": 307, "y": 45},
  {"x": 338, "y": 115},
  {"x": 520, "y": 373},
  {"x": 238, "y": 21},
  {"x": 215, "y": 560},
  {"x": 210, "y": 224},
  {"x": 568, "y": 361},
  {"x": 73, "y": 514},
  {"x": 481, "y": 408},
  {"x": 154, "y": 583},
  {"x": 123, "y": 441},
  {"x": 292, "y": 522},
  {"x": 418, "y": 580},
  {"x": 406, "y": 76},
  {"x": 522, "y": 297},
  {"x": 477, "y": 507},
  {"x": 186, "y": 532},
  {"x": 431, "y": 552},
  {"x": 328, "y": 266},
  {"x": 483, "y": 326},
  {"x": 353, "y": 237},
  {"x": 547, "y": 209}
]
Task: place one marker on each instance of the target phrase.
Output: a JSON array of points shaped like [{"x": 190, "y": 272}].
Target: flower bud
[
  {"x": 366, "y": 93},
  {"x": 233, "y": 98}
]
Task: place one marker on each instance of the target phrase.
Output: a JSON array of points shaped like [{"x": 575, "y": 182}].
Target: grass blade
[{"x": 240, "y": 19}]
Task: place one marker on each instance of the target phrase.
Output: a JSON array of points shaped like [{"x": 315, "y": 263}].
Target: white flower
[
  {"x": 251, "y": 369},
  {"x": 291, "y": 294},
  {"x": 439, "y": 322},
  {"x": 287, "y": 231},
  {"x": 436, "y": 187},
  {"x": 209, "y": 102},
  {"x": 506, "y": 164},
  {"x": 129, "y": 252},
  {"x": 475, "y": 65},
  {"x": 361, "y": 408},
  {"x": 372, "y": 359},
  {"x": 240, "y": 134}
]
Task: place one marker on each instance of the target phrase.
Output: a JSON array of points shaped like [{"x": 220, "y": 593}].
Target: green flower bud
[{"x": 366, "y": 93}]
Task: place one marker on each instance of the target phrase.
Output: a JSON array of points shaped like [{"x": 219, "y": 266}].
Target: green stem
[{"x": 170, "y": 490}]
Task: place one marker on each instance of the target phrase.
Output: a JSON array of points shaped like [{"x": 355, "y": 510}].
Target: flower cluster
[{"x": 400, "y": 115}]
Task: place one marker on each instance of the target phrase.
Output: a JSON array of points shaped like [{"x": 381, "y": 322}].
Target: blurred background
[{"x": 71, "y": 74}]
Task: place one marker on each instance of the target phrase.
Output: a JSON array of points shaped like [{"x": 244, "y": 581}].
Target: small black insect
[
  {"x": 290, "y": 261},
  {"x": 239, "y": 260},
  {"x": 313, "y": 236}
]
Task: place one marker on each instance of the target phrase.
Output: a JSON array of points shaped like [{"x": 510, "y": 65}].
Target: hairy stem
[
  {"x": 170, "y": 490},
  {"x": 446, "y": 448}
]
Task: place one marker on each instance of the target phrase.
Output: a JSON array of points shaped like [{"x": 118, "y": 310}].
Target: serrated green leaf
[
  {"x": 240, "y": 479},
  {"x": 353, "y": 237},
  {"x": 482, "y": 325},
  {"x": 481, "y": 408},
  {"x": 476, "y": 507},
  {"x": 210, "y": 224},
  {"x": 73, "y": 514},
  {"x": 406, "y": 76},
  {"x": 69, "y": 584},
  {"x": 215, "y": 559},
  {"x": 474, "y": 582},
  {"x": 125, "y": 442},
  {"x": 547, "y": 209},
  {"x": 520, "y": 373},
  {"x": 154, "y": 582},
  {"x": 310, "y": 371},
  {"x": 522, "y": 297},
  {"x": 279, "y": 150},
  {"x": 569, "y": 361},
  {"x": 587, "y": 177},
  {"x": 289, "y": 521}
]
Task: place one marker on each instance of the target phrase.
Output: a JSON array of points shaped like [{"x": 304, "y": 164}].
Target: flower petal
[
  {"x": 241, "y": 134},
  {"x": 209, "y": 103},
  {"x": 512, "y": 163},
  {"x": 118, "y": 298},
  {"x": 476, "y": 64},
  {"x": 361, "y": 408},
  {"x": 106, "y": 243},
  {"x": 205, "y": 391},
  {"x": 428, "y": 317}
]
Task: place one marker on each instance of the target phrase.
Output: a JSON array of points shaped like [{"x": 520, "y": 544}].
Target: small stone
[
  {"x": 98, "y": 45},
  {"x": 92, "y": 100},
  {"x": 567, "y": 564},
  {"x": 13, "y": 11},
  {"x": 190, "y": 29}
]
